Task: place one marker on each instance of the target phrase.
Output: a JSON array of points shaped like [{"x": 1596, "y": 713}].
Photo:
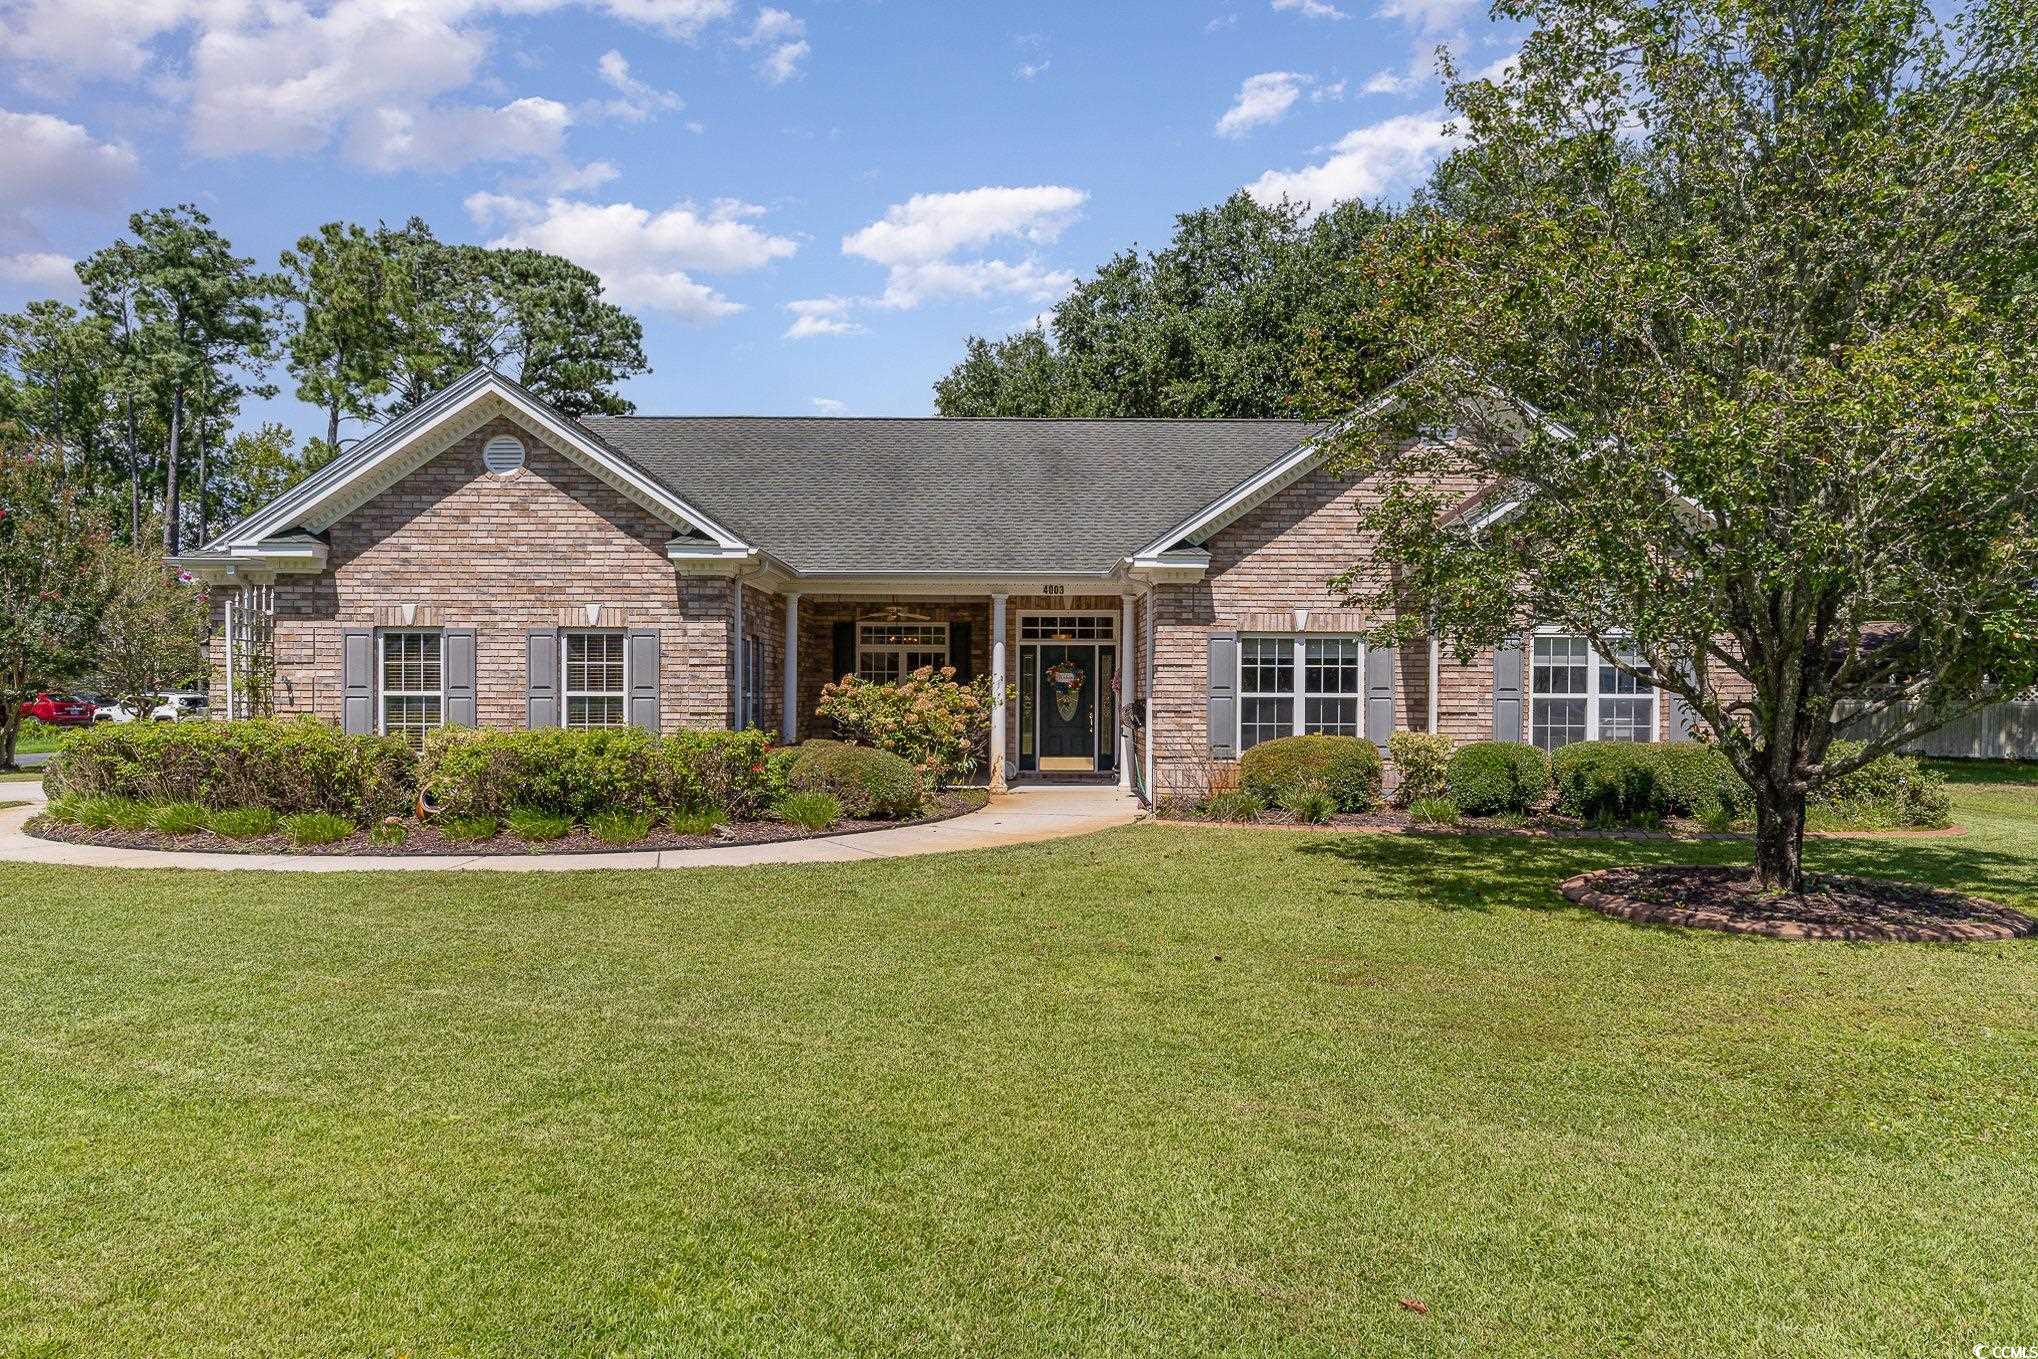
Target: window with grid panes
[{"x": 594, "y": 692}]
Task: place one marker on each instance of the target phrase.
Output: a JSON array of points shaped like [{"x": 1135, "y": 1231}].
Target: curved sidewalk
[{"x": 1030, "y": 812}]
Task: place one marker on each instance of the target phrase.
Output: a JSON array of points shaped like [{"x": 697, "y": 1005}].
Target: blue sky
[{"x": 809, "y": 204}]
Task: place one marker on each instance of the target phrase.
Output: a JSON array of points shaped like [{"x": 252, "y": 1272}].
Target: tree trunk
[
  {"x": 1779, "y": 839},
  {"x": 171, "y": 506},
  {"x": 10, "y": 732},
  {"x": 333, "y": 424}
]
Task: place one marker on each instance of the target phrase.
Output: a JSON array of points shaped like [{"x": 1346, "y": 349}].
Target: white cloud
[
  {"x": 1222, "y": 22},
  {"x": 1392, "y": 82},
  {"x": 445, "y": 138},
  {"x": 784, "y": 35},
  {"x": 1027, "y": 70},
  {"x": 43, "y": 270},
  {"x": 917, "y": 242},
  {"x": 829, "y": 406},
  {"x": 1312, "y": 9},
  {"x": 1264, "y": 98},
  {"x": 48, "y": 163},
  {"x": 642, "y": 257},
  {"x": 1499, "y": 69},
  {"x": 638, "y": 100},
  {"x": 1367, "y": 162},
  {"x": 1431, "y": 16},
  {"x": 817, "y": 316},
  {"x": 676, "y": 18},
  {"x": 87, "y": 38}
]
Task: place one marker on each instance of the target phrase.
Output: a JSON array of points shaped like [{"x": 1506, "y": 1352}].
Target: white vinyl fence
[{"x": 2001, "y": 731}]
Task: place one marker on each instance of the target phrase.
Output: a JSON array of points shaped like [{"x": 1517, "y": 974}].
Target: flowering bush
[{"x": 938, "y": 726}]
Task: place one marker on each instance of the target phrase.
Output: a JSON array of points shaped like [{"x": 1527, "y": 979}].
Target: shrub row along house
[{"x": 1153, "y": 592}]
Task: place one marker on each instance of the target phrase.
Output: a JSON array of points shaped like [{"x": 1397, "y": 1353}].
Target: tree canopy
[{"x": 1730, "y": 303}]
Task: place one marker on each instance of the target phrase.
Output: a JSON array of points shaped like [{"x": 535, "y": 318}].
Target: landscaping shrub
[
  {"x": 180, "y": 818},
  {"x": 533, "y": 824},
  {"x": 927, "y": 719},
  {"x": 243, "y": 823},
  {"x": 1310, "y": 802},
  {"x": 867, "y": 781},
  {"x": 316, "y": 828},
  {"x": 1608, "y": 782},
  {"x": 64, "y": 809},
  {"x": 1890, "y": 790},
  {"x": 464, "y": 829},
  {"x": 389, "y": 833},
  {"x": 1346, "y": 767},
  {"x": 1433, "y": 811},
  {"x": 810, "y": 811},
  {"x": 1234, "y": 805},
  {"x": 1696, "y": 779},
  {"x": 1424, "y": 761},
  {"x": 696, "y": 820},
  {"x": 580, "y": 774},
  {"x": 1486, "y": 777},
  {"x": 620, "y": 828},
  {"x": 283, "y": 764}
]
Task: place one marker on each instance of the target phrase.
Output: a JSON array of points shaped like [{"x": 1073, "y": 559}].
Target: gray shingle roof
[{"x": 942, "y": 495}]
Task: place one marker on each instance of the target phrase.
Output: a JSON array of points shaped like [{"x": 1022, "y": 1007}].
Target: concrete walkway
[{"x": 1030, "y": 812}]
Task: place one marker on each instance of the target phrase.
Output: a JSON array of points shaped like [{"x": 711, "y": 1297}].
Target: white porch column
[
  {"x": 997, "y": 693},
  {"x": 789, "y": 720},
  {"x": 1126, "y": 685},
  {"x": 736, "y": 705}
]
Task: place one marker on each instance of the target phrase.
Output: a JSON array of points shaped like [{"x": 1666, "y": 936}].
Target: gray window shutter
[
  {"x": 643, "y": 653},
  {"x": 357, "y": 681},
  {"x": 541, "y": 678},
  {"x": 456, "y": 651},
  {"x": 1379, "y": 694},
  {"x": 1507, "y": 691},
  {"x": 1223, "y": 695}
]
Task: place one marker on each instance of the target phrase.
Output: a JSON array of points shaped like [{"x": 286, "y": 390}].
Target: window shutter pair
[
  {"x": 542, "y": 679},
  {"x": 1222, "y": 701},
  {"x": 357, "y": 678}
]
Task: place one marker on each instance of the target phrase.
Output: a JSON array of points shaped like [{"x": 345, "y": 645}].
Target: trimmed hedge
[
  {"x": 1486, "y": 777},
  {"x": 1697, "y": 779},
  {"x": 1895, "y": 789},
  {"x": 1347, "y": 767},
  {"x": 1608, "y": 780},
  {"x": 580, "y": 774},
  {"x": 284, "y": 765},
  {"x": 1627, "y": 781},
  {"x": 868, "y": 782}
]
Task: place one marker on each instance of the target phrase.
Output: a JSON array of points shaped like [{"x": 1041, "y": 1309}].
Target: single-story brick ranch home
[{"x": 1154, "y": 591}]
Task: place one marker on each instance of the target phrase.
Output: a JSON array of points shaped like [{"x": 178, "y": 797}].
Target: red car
[{"x": 59, "y": 710}]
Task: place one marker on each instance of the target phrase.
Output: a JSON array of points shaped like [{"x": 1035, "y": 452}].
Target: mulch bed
[
  {"x": 1831, "y": 906},
  {"x": 1537, "y": 825},
  {"x": 425, "y": 839}
]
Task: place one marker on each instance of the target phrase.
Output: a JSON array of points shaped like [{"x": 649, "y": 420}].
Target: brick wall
[{"x": 502, "y": 555}]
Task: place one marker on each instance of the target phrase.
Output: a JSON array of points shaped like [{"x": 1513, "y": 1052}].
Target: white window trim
[
  {"x": 1592, "y": 696},
  {"x": 1299, "y": 725},
  {"x": 383, "y": 693},
  {"x": 1034, "y": 615},
  {"x": 902, "y": 650},
  {"x": 566, "y": 694}
]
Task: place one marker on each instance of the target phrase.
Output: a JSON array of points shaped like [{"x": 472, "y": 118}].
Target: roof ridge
[{"x": 995, "y": 419}]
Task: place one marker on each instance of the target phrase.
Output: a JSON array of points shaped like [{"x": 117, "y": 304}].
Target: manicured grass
[
  {"x": 1987, "y": 771},
  {"x": 21, "y": 776},
  {"x": 36, "y": 738},
  {"x": 1172, "y": 1089}
]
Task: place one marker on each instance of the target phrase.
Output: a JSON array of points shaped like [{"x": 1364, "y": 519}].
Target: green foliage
[
  {"x": 243, "y": 823},
  {"x": 388, "y": 833},
  {"x": 1433, "y": 811},
  {"x": 152, "y": 629},
  {"x": 579, "y": 774},
  {"x": 65, "y": 809},
  {"x": 1697, "y": 779},
  {"x": 1235, "y": 805},
  {"x": 467, "y": 829},
  {"x": 868, "y": 782},
  {"x": 316, "y": 828},
  {"x": 342, "y": 347},
  {"x": 1210, "y": 325},
  {"x": 180, "y": 818},
  {"x": 1424, "y": 761},
  {"x": 926, "y": 719},
  {"x": 1608, "y": 782},
  {"x": 1894, "y": 790},
  {"x": 50, "y": 595},
  {"x": 810, "y": 811},
  {"x": 531, "y": 823},
  {"x": 283, "y": 764},
  {"x": 620, "y": 828},
  {"x": 696, "y": 820},
  {"x": 1309, "y": 801},
  {"x": 1487, "y": 777},
  {"x": 1346, "y": 767}
]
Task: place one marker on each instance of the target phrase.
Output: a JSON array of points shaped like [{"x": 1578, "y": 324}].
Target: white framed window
[
  {"x": 1296, "y": 686},
  {"x": 595, "y": 691},
  {"x": 752, "y": 706},
  {"x": 1068, "y": 627},
  {"x": 412, "y": 666},
  {"x": 887, "y": 652},
  {"x": 1576, "y": 694}
]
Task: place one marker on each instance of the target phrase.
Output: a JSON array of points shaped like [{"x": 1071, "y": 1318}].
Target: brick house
[{"x": 1153, "y": 592}]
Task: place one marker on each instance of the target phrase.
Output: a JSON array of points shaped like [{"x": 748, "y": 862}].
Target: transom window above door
[
  {"x": 1295, "y": 686},
  {"x": 887, "y": 652},
  {"x": 1576, "y": 694},
  {"x": 596, "y": 686},
  {"x": 1069, "y": 627}
]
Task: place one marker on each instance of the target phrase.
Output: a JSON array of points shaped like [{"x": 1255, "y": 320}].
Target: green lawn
[
  {"x": 36, "y": 738},
  {"x": 1166, "y": 1090}
]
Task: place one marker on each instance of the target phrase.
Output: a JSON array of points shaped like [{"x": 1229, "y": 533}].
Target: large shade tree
[
  {"x": 51, "y": 590},
  {"x": 1731, "y": 306}
]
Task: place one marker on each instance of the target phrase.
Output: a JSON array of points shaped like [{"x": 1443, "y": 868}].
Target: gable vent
[{"x": 502, "y": 455}]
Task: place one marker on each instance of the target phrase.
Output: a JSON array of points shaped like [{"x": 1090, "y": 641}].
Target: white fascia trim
[
  {"x": 332, "y": 483},
  {"x": 1176, "y": 566}
]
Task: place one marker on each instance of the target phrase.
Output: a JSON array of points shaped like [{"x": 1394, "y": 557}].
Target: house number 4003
[{"x": 1054, "y": 591}]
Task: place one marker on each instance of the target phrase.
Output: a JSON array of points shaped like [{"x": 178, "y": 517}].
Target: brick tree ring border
[{"x": 1833, "y": 906}]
